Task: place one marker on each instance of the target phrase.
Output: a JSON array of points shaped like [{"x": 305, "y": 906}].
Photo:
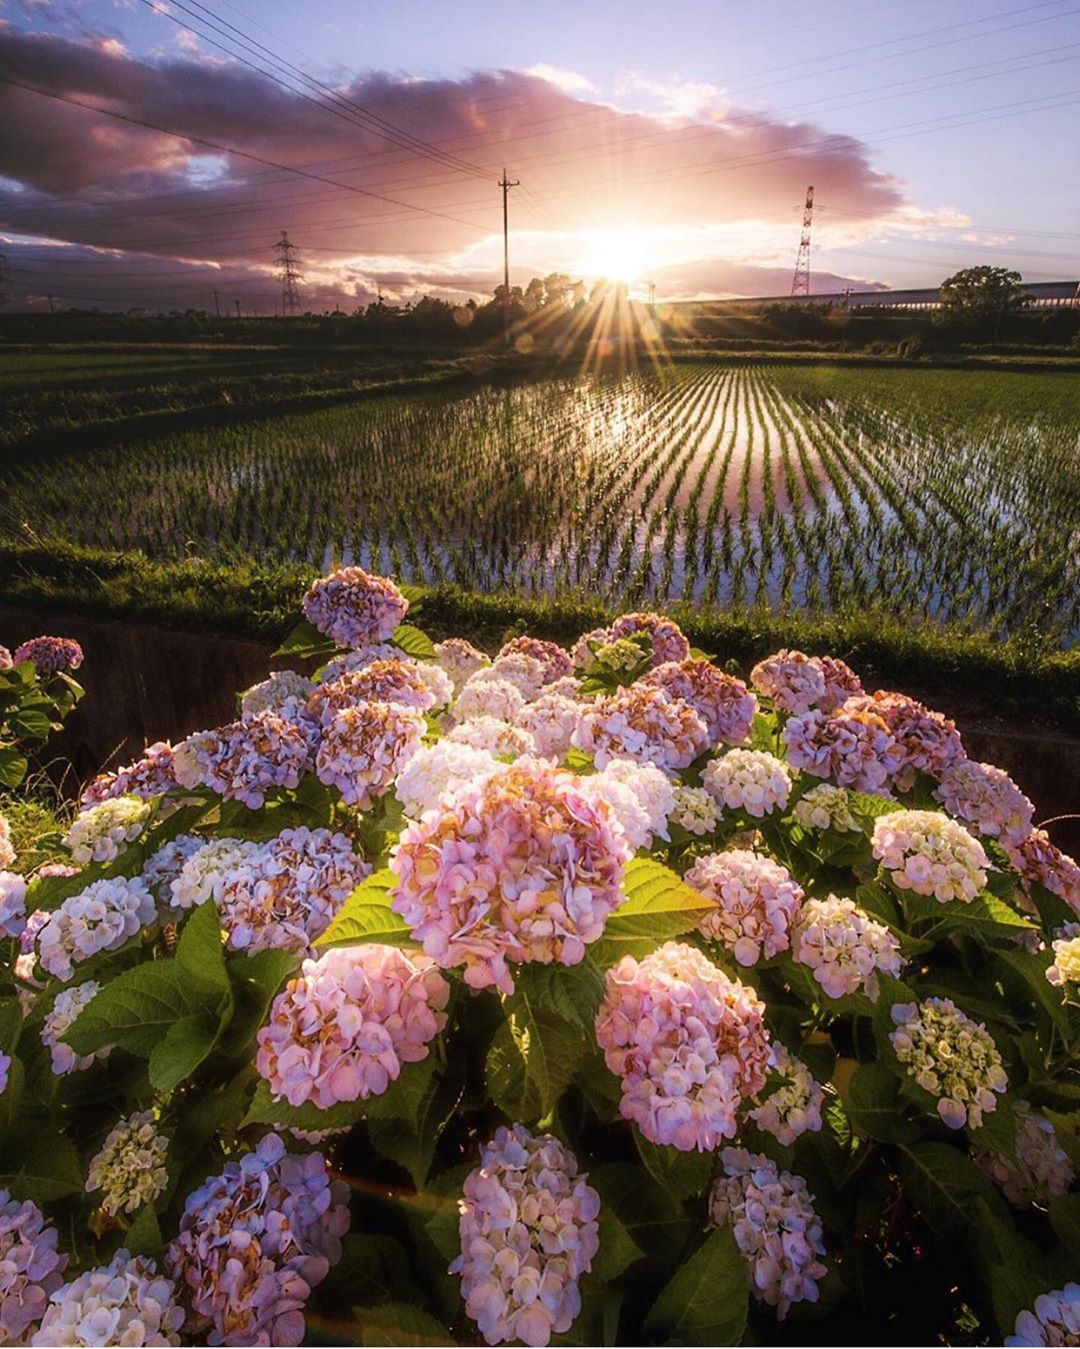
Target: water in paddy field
[{"x": 951, "y": 493}]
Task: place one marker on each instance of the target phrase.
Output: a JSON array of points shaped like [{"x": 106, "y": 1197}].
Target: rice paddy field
[{"x": 945, "y": 494}]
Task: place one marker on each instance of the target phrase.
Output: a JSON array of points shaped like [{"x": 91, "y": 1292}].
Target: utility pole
[
  {"x": 652, "y": 294},
  {"x": 217, "y": 305},
  {"x": 800, "y": 282},
  {"x": 52, "y": 306},
  {"x": 4, "y": 296},
  {"x": 237, "y": 303},
  {"x": 506, "y": 185},
  {"x": 289, "y": 272}
]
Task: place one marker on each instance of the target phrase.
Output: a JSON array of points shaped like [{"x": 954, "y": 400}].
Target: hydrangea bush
[{"x": 581, "y": 995}]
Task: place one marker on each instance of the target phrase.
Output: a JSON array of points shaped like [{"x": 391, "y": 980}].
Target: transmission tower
[
  {"x": 800, "y": 282},
  {"x": 289, "y": 272}
]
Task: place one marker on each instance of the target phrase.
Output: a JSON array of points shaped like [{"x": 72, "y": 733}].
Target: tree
[{"x": 977, "y": 293}]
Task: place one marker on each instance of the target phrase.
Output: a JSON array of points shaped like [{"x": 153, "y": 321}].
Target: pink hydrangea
[
  {"x": 771, "y": 1213},
  {"x": 844, "y": 947},
  {"x": 794, "y": 1107},
  {"x": 69, "y": 1002},
  {"x": 792, "y": 681},
  {"x": 987, "y": 799},
  {"x": 365, "y": 747},
  {"x": 383, "y": 681},
  {"x": 927, "y": 853},
  {"x": 1041, "y": 862},
  {"x": 841, "y": 682},
  {"x": 7, "y": 851},
  {"x": 928, "y": 742},
  {"x": 689, "y": 1044},
  {"x": 850, "y": 748},
  {"x": 486, "y": 695},
  {"x": 246, "y": 759},
  {"x": 6, "y": 659},
  {"x": 12, "y": 904},
  {"x": 1041, "y": 1170},
  {"x": 31, "y": 1268},
  {"x": 749, "y": 780},
  {"x": 527, "y": 674},
  {"x": 551, "y": 720},
  {"x": 149, "y": 776},
  {"x": 459, "y": 659},
  {"x": 493, "y": 736},
  {"x": 756, "y": 902},
  {"x": 102, "y": 917},
  {"x": 639, "y": 797},
  {"x": 556, "y": 661},
  {"x": 723, "y": 702},
  {"x": 519, "y": 867},
  {"x": 282, "y": 691},
  {"x": 343, "y": 1028},
  {"x": 50, "y": 655},
  {"x": 353, "y": 608},
  {"x": 642, "y": 723},
  {"x": 254, "y": 1241},
  {"x": 438, "y": 770},
  {"x": 1055, "y": 1320},
  {"x": 528, "y": 1233},
  {"x": 166, "y": 864},
  {"x": 668, "y": 641}
]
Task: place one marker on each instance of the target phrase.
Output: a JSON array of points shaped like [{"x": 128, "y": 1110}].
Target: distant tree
[{"x": 979, "y": 293}]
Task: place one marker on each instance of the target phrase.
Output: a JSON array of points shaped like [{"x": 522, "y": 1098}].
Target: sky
[{"x": 154, "y": 150}]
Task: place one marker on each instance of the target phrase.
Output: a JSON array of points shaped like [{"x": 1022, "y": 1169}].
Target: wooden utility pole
[{"x": 506, "y": 185}]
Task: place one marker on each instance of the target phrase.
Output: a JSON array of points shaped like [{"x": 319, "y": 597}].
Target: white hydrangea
[
  {"x": 551, "y": 720},
  {"x": 167, "y": 863},
  {"x": 490, "y": 697},
  {"x": 100, "y": 918},
  {"x": 282, "y": 689},
  {"x": 927, "y": 853},
  {"x": 204, "y": 874},
  {"x": 459, "y": 659},
  {"x": 1041, "y": 1170},
  {"x": 951, "y": 1057},
  {"x": 695, "y": 811},
  {"x": 749, "y": 780},
  {"x": 640, "y": 796},
  {"x": 825, "y": 807},
  {"x": 434, "y": 770},
  {"x": 437, "y": 682},
  {"x": 794, "y": 1107},
  {"x": 526, "y": 673},
  {"x": 101, "y": 833},
  {"x": 844, "y": 947},
  {"x": 67, "y": 1006},
  {"x": 129, "y": 1167},
  {"x": 1065, "y": 968},
  {"x": 495, "y": 736},
  {"x": 125, "y": 1302}
]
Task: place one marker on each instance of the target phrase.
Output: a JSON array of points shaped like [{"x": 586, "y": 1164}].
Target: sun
[{"x": 619, "y": 255}]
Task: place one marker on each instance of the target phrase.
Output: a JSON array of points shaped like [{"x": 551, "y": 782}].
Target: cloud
[{"x": 707, "y": 189}]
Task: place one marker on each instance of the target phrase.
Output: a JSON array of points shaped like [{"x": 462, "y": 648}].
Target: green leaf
[
  {"x": 618, "y": 1249},
  {"x": 1067, "y": 1129},
  {"x": 412, "y": 1142},
  {"x": 1032, "y": 969},
  {"x": 200, "y": 960},
  {"x": 306, "y": 640},
  {"x": 871, "y": 1105},
  {"x": 265, "y": 1110},
  {"x": 658, "y": 906},
  {"x": 1015, "y": 1271},
  {"x": 706, "y": 1301},
  {"x": 187, "y": 1042},
  {"x": 681, "y": 1174},
  {"x": 572, "y": 992},
  {"x": 134, "y": 1011},
  {"x": 1065, "y": 1219},
  {"x": 256, "y": 981},
  {"x": 531, "y": 1060},
  {"x": 577, "y": 761},
  {"x": 13, "y": 766},
  {"x": 39, "y": 1163},
  {"x": 366, "y": 916},
  {"x": 144, "y": 1237},
  {"x": 400, "y": 1323},
  {"x": 413, "y": 642},
  {"x": 946, "y": 1184},
  {"x": 650, "y": 1213}
]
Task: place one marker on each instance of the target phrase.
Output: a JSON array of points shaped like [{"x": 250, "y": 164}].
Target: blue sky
[{"x": 968, "y": 110}]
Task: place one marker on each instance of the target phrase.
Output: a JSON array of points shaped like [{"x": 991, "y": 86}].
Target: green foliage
[{"x": 32, "y": 706}]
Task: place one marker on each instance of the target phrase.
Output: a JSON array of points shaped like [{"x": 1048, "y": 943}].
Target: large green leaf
[
  {"x": 200, "y": 960},
  {"x": 186, "y": 1044},
  {"x": 144, "y": 1237},
  {"x": 571, "y": 992},
  {"x": 617, "y": 1251},
  {"x": 412, "y": 1142},
  {"x": 946, "y": 1185},
  {"x": 706, "y": 1300},
  {"x": 306, "y": 640},
  {"x": 681, "y": 1174},
  {"x": 413, "y": 642},
  {"x": 134, "y": 1011},
  {"x": 871, "y": 1105},
  {"x": 531, "y": 1060},
  {"x": 39, "y": 1163},
  {"x": 650, "y": 1213},
  {"x": 657, "y": 907},
  {"x": 366, "y": 916},
  {"x": 13, "y": 766},
  {"x": 400, "y": 1323},
  {"x": 402, "y": 1100},
  {"x": 256, "y": 981},
  {"x": 1032, "y": 969}
]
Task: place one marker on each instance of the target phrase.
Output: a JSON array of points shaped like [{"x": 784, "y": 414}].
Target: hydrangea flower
[
  {"x": 150, "y": 776},
  {"x": 668, "y": 641},
  {"x": 617, "y": 657},
  {"x": 695, "y": 811},
  {"x": 927, "y": 853},
  {"x": 124, "y": 1302},
  {"x": 204, "y": 871},
  {"x": 102, "y": 832},
  {"x": 841, "y": 682},
  {"x": 794, "y": 1107},
  {"x": 343, "y": 1028},
  {"x": 644, "y": 724},
  {"x": 551, "y": 720},
  {"x": 638, "y": 796},
  {"x": 349, "y": 662},
  {"x": 519, "y": 867},
  {"x": 748, "y": 780},
  {"x": 353, "y": 608},
  {"x": 1041, "y": 862},
  {"x": 244, "y": 760},
  {"x": 383, "y": 681},
  {"x": 254, "y": 1241},
  {"x": 1055, "y": 1320},
  {"x": 285, "y": 892},
  {"x": 792, "y": 681},
  {"x": 951, "y": 1057},
  {"x": 557, "y": 661},
  {"x": 1066, "y": 966},
  {"x": 459, "y": 659},
  {"x": 490, "y": 697},
  {"x": 7, "y": 851},
  {"x": 50, "y": 655},
  {"x": 280, "y": 690},
  {"x": 928, "y": 742},
  {"x": 129, "y": 1167},
  {"x": 756, "y": 902},
  {"x": 67, "y": 1006},
  {"x": 6, "y": 659},
  {"x": 365, "y": 747},
  {"x": 724, "y": 703},
  {"x": 527, "y": 674},
  {"x": 582, "y": 654},
  {"x": 987, "y": 799},
  {"x": 12, "y": 904},
  {"x": 31, "y": 1268},
  {"x": 493, "y": 736},
  {"x": 528, "y": 1233},
  {"x": 851, "y": 748},
  {"x": 5, "y": 1069},
  {"x": 689, "y": 1044},
  {"x": 844, "y": 947},
  {"x": 771, "y": 1213},
  {"x": 100, "y": 918},
  {"x": 436, "y": 770},
  {"x": 165, "y": 865},
  {"x": 825, "y": 807},
  {"x": 1041, "y": 1170}
]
